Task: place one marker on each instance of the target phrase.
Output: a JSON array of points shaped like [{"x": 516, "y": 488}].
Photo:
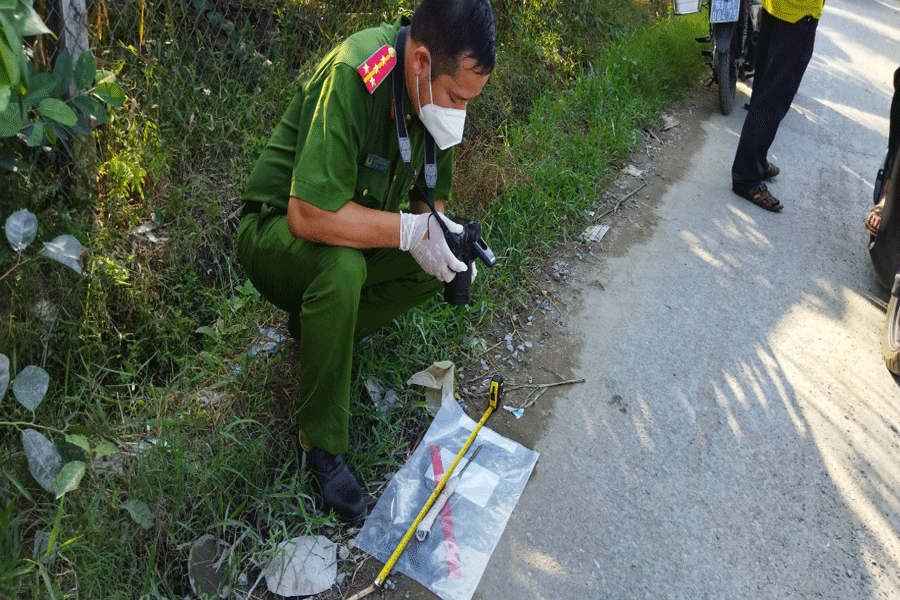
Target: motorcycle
[
  {"x": 884, "y": 246},
  {"x": 733, "y": 32}
]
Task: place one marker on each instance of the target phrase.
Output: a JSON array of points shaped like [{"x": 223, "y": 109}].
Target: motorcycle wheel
[
  {"x": 890, "y": 343},
  {"x": 726, "y": 74}
]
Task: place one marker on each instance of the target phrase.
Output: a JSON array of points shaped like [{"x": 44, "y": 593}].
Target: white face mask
[{"x": 444, "y": 124}]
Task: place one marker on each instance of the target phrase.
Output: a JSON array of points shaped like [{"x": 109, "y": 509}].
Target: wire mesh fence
[{"x": 166, "y": 51}]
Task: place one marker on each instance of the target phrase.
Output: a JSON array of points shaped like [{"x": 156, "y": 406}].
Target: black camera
[{"x": 466, "y": 246}]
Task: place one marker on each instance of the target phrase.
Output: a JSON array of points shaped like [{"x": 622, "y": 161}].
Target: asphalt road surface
[{"x": 737, "y": 433}]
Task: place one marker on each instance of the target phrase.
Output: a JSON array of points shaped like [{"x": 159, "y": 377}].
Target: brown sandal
[
  {"x": 760, "y": 196},
  {"x": 873, "y": 220},
  {"x": 771, "y": 171}
]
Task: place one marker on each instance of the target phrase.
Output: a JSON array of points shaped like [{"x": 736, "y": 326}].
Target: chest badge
[{"x": 377, "y": 67}]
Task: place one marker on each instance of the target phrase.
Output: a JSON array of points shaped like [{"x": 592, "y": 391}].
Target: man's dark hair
[{"x": 454, "y": 29}]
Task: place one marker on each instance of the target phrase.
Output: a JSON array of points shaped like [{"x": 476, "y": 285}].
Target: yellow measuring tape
[{"x": 494, "y": 393}]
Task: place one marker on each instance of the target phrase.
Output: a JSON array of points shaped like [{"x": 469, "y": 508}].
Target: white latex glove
[{"x": 422, "y": 236}]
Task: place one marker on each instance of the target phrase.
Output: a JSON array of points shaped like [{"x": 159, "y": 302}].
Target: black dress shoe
[
  {"x": 294, "y": 325},
  {"x": 339, "y": 488}
]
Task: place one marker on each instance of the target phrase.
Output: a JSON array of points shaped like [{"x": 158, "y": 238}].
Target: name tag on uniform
[{"x": 377, "y": 163}]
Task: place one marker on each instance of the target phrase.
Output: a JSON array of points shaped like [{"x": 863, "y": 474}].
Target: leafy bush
[
  {"x": 54, "y": 108},
  {"x": 18, "y": 19}
]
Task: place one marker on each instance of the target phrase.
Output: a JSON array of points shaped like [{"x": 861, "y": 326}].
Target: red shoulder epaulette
[{"x": 377, "y": 67}]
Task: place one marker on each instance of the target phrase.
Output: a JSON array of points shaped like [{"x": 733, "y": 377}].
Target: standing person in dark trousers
[
  {"x": 786, "y": 37},
  {"x": 336, "y": 228}
]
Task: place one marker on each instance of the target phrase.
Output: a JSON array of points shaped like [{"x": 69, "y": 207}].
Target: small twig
[
  {"x": 357, "y": 569},
  {"x": 544, "y": 385},
  {"x": 19, "y": 262},
  {"x": 362, "y": 593},
  {"x": 534, "y": 398},
  {"x": 619, "y": 203},
  {"x": 486, "y": 350},
  {"x": 20, "y": 425}
]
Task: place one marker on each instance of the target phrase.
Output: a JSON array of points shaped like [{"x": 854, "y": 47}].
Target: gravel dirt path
[{"x": 737, "y": 433}]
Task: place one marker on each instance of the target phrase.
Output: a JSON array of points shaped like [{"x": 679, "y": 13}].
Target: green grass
[{"x": 148, "y": 348}]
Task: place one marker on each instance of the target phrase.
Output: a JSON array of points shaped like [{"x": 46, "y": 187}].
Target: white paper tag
[{"x": 477, "y": 483}]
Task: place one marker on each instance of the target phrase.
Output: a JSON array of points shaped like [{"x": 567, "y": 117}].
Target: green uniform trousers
[{"x": 339, "y": 294}]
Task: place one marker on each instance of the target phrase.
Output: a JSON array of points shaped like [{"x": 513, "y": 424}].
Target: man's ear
[{"x": 421, "y": 61}]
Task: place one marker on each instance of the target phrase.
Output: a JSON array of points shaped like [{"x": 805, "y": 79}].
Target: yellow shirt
[{"x": 793, "y": 10}]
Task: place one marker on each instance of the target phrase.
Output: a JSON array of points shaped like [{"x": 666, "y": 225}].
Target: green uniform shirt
[
  {"x": 793, "y": 10},
  {"x": 337, "y": 142}
]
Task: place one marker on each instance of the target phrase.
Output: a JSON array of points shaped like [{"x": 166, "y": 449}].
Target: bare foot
[{"x": 873, "y": 221}]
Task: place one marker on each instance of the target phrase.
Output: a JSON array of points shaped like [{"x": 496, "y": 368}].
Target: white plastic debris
[
  {"x": 595, "y": 233},
  {"x": 517, "y": 412},
  {"x": 146, "y": 230},
  {"x": 21, "y": 229},
  {"x": 633, "y": 171},
  {"x": 272, "y": 340},
  {"x": 44, "y": 461},
  {"x": 669, "y": 122},
  {"x": 65, "y": 249},
  {"x": 4, "y": 375},
  {"x": 46, "y": 312},
  {"x": 30, "y": 386},
  {"x": 381, "y": 398},
  {"x": 302, "y": 566}
]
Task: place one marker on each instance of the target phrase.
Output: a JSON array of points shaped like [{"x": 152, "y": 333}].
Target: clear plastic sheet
[{"x": 451, "y": 561}]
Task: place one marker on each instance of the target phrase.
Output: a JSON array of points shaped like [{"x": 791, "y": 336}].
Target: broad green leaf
[
  {"x": 81, "y": 126},
  {"x": 30, "y": 386},
  {"x": 101, "y": 117},
  {"x": 20, "y": 74},
  {"x": 85, "y": 70},
  {"x": 23, "y": 69},
  {"x": 79, "y": 440},
  {"x": 10, "y": 62},
  {"x": 58, "y": 110},
  {"x": 11, "y": 120},
  {"x": 4, "y": 375},
  {"x": 105, "y": 448},
  {"x": 12, "y": 34},
  {"x": 36, "y": 137},
  {"x": 8, "y": 4},
  {"x": 111, "y": 93},
  {"x": 104, "y": 76},
  {"x": 29, "y": 22},
  {"x": 92, "y": 108},
  {"x": 69, "y": 477},
  {"x": 140, "y": 512},
  {"x": 42, "y": 86},
  {"x": 51, "y": 129},
  {"x": 44, "y": 461},
  {"x": 63, "y": 72},
  {"x": 21, "y": 229},
  {"x": 5, "y": 95},
  {"x": 66, "y": 249}
]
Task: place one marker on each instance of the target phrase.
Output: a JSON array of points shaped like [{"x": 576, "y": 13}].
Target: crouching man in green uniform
[{"x": 335, "y": 229}]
